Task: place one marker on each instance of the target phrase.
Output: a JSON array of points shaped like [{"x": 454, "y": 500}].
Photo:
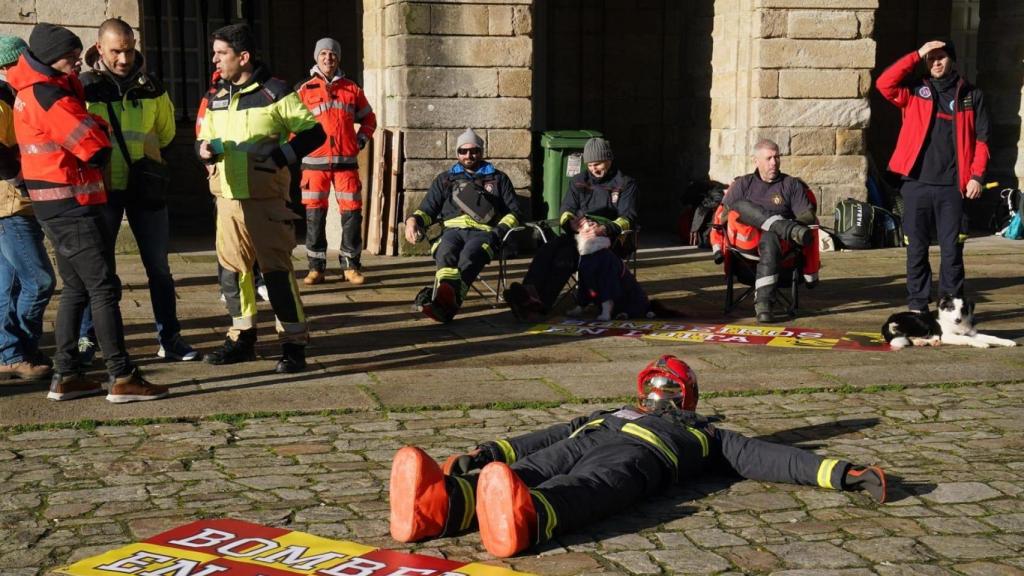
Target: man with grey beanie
[
  {"x": 338, "y": 104},
  {"x": 477, "y": 206},
  {"x": 604, "y": 199}
]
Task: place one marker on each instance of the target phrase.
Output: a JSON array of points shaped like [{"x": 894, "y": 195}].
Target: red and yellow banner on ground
[
  {"x": 781, "y": 336},
  {"x": 235, "y": 548}
]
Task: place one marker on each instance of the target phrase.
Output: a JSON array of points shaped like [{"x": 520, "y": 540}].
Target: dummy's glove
[
  {"x": 362, "y": 139},
  {"x": 462, "y": 464}
]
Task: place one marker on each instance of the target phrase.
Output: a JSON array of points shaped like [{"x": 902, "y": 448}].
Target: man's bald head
[{"x": 116, "y": 45}]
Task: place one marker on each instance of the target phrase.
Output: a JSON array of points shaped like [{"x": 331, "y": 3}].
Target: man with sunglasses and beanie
[
  {"x": 477, "y": 205},
  {"x": 526, "y": 490},
  {"x": 244, "y": 141},
  {"x": 26, "y": 275},
  {"x": 63, "y": 151},
  {"x": 338, "y": 104},
  {"x": 942, "y": 154},
  {"x": 602, "y": 199}
]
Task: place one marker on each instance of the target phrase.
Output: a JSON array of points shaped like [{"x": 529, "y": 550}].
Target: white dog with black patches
[{"x": 953, "y": 324}]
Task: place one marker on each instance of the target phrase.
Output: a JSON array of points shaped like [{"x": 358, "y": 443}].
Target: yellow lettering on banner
[
  {"x": 142, "y": 558},
  {"x": 488, "y": 570},
  {"x": 302, "y": 551},
  {"x": 791, "y": 342}
]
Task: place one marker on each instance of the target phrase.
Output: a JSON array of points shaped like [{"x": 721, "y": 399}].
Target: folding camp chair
[
  {"x": 504, "y": 252},
  {"x": 742, "y": 266}
]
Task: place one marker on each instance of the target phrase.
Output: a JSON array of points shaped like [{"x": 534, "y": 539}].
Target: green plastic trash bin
[{"x": 563, "y": 159}]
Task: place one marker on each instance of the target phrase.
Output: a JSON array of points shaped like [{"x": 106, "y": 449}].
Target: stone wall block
[
  {"x": 866, "y": 21},
  {"x": 785, "y": 53},
  {"x": 821, "y": 24},
  {"x": 515, "y": 82},
  {"x": 848, "y": 113},
  {"x": 406, "y": 18},
  {"x": 865, "y": 84},
  {"x": 849, "y": 142},
  {"x": 508, "y": 143},
  {"x": 80, "y": 13},
  {"x": 458, "y": 19},
  {"x": 522, "y": 21},
  {"x": 451, "y": 82},
  {"x": 499, "y": 20},
  {"x": 127, "y": 10},
  {"x": 764, "y": 83},
  {"x": 817, "y": 142},
  {"x": 475, "y": 112},
  {"x": 781, "y": 136},
  {"x": 512, "y": 52},
  {"x": 425, "y": 144},
  {"x": 817, "y": 170},
  {"x": 822, "y": 4},
  {"x": 23, "y": 11},
  {"x": 769, "y": 23},
  {"x": 20, "y": 30},
  {"x": 818, "y": 83}
]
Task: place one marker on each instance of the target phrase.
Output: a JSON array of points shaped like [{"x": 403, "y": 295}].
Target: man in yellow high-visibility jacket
[
  {"x": 244, "y": 140},
  {"x": 117, "y": 83}
]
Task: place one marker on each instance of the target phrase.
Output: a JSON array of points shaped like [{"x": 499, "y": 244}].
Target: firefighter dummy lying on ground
[
  {"x": 477, "y": 206},
  {"x": 526, "y": 490},
  {"x": 764, "y": 214}
]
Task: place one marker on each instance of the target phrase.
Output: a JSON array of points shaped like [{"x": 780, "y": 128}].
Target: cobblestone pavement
[{"x": 70, "y": 493}]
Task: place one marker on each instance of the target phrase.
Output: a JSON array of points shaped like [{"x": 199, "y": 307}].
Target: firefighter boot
[
  {"x": 505, "y": 511},
  {"x": 353, "y": 271},
  {"x": 793, "y": 231},
  {"x": 754, "y": 215},
  {"x": 445, "y": 303},
  {"x": 293, "y": 359},
  {"x": 235, "y": 351},
  {"x": 870, "y": 479},
  {"x": 419, "y": 499}
]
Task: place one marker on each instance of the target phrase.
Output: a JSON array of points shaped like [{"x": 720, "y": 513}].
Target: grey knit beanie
[
  {"x": 597, "y": 150},
  {"x": 327, "y": 44},
  {"x": 469, "y": 137}
]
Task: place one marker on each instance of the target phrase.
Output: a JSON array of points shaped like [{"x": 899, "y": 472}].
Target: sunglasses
[{"x": 465, "y": 151}]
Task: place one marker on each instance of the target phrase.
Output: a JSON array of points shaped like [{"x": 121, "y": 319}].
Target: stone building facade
[{"x": 682, "y": 87}]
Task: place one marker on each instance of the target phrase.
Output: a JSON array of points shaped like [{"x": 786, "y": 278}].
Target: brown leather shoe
[
  {"x": 71, "y": 386},
  {"x": 135, "y": 388},
  {"x": 25, "y": 370},
  {"x": 354, "y": 276},
  {"x": 314, "y": 277}
]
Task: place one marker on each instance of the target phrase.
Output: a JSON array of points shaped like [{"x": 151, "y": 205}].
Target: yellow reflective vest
[
  {"x": 253, "y": 123},
  {"x": 142, "y": 107}
]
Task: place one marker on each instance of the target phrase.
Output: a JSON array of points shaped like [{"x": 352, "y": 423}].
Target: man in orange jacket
[
  {"x": 63, "y": 151},
  {"x": 338, "y": 103}
]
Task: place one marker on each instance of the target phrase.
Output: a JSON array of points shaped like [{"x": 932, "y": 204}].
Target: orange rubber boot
[
  {"x": 419, "y": 500},
  {"x": 504, "y": 509}
]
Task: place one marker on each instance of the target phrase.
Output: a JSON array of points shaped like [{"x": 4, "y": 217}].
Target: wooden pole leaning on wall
[
  {"x": 394, "y": 194},
  {"x": 378, "y": 192}
]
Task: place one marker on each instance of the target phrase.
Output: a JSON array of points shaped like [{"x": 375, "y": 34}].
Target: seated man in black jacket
[
  {"x": 477, "y": 205},
  {"x": 542, "y": 484},
  {"x": 603, "y": 195}
]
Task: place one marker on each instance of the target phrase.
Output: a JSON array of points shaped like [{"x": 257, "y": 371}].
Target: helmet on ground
[{"x": 667, "y": 383}]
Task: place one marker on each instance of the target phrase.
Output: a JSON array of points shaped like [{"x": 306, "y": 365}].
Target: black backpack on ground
[{"x": 854, "y": 224}]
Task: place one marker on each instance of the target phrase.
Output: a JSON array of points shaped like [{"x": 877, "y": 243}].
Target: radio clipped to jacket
[{"x": 473, "y": 200}]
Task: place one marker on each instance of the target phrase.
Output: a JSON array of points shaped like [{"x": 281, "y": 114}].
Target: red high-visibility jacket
[
  {"x": 916, "y": 100},
  {"x": 337, "y": 104},
  {"x": 57, "y": 136},
  {"x": 728, "y": 232}
]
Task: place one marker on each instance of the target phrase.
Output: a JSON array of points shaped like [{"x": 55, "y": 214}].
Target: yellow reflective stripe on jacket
[
  {"x": 147, "y": 125},
  {"x": 566, "y": 216},
  {"x": 448, "y": 274},
  {"x": 652, "y": 439},
  {"x": 702, "y": 438},
  {"x": 427, "y": 220},
  {"x": 487, "y": 248},
  {"x": 465, "y": 222},
  {"x": 825, "y": 472},
  {"x": 549, "y": 527},
  {"x": 591, "y": 424},
  {"x": 470, "y": 502},
  {"x": 507, "y": 452},
  {"x": 509, "y": 220},
  {"x": 623, "y": 223}
]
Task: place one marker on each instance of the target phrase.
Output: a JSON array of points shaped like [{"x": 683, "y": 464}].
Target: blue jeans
[
  {"x": 26, "y": 284},
  {"x": 151, "y": 232}
]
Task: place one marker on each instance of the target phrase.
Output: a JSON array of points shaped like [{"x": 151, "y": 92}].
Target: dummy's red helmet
[{"x": 667, "y": 382}]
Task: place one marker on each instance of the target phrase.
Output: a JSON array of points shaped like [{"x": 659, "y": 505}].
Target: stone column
[
  {"x": 795, "y": 71},
  {"x": 446, "y": 67}
]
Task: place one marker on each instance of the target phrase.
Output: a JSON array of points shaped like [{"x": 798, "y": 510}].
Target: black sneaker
[
  {"x": 232, "y": 352},
  {"x": 293, "y": 359},
  {"x": 870, "y": 479},
  {"x": 801, "y": 234}
]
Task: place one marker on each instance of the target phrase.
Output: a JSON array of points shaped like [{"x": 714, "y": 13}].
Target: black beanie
[{"x": 49, "y": 42}]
